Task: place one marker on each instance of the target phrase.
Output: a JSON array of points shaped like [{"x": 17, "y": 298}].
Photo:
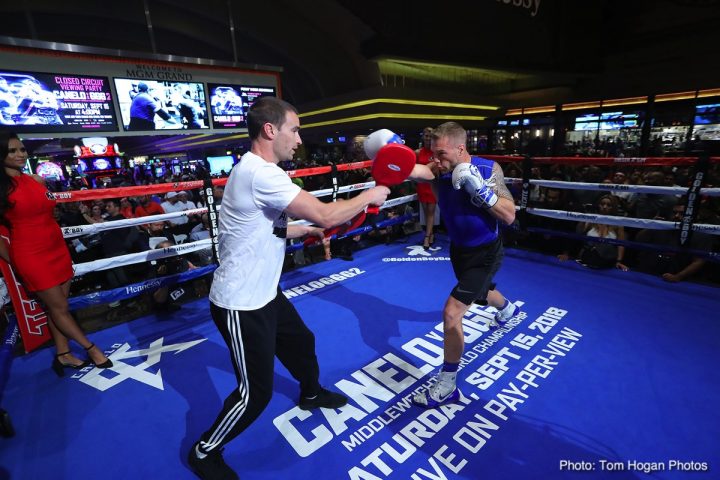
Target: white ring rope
[
  {"x": 156, "y": 254},
  {"x": 79, "y": 230},
  {"x": 183, "y": 248},
  {"x": 622, "y": 221},
  {"x": 76, "y": 231},
  {"x": 140, "y": 257},
  {"x": 615, "y": 187},
  {"x": 614, "y": 220}
]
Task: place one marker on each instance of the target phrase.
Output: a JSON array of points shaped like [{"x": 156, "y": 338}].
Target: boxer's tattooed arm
[{"x": 500, "y": 189}]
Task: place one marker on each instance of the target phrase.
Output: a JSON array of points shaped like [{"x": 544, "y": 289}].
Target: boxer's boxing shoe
[
  {"x": 502, "y": 316},
  {"x": 211, "y": 466},
  {"x": 324, "y": 399},
  {"x": 443, "y": 391}
]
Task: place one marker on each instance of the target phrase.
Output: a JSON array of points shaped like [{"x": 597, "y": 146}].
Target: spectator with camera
[{"x": 163, "y": 298}]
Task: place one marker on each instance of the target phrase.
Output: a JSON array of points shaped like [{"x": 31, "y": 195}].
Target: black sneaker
[
  {"x": 324, "y": 399},
  {"x": 212, "y": 467}
]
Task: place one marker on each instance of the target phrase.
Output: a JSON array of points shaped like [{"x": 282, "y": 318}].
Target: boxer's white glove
[
  {"x": 467, "y": 176},
  {"x": 378, "y": 139}
]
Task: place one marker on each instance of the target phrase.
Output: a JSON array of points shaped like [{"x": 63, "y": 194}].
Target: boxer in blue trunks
[{"x": 473, "y": 201}]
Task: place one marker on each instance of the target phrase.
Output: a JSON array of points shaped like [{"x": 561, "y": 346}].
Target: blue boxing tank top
[{"x": 467, "y": 225}]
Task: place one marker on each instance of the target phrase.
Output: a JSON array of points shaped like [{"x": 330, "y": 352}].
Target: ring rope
[
  {"x": 711, "y": 192},
  {"x": 621, "y": 221},
  {"x": 181, "y": 249},
  {"x": 712, "y": 256},
  {"x": 78, "y": 230},
  {"x": 604, "y": 161},
  {"x": 135, "y": 289},
  {"x": 119, "y": 192}
]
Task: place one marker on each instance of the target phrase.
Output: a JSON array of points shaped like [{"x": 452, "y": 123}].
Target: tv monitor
[
  {"x": 159, "y": 172},
  {"x": 220, "y": 164},
  {"x": 606, "y": 121},
  {"x": 707, "y": 114},
  {"x": 50, "y": 171},
  {"x": 151, "y": 105},
  {"x": 229, "y": 103},
  {"x": 618, "y": 124},
  {"x": 586, "y": 125},
  {"x": 32, "y": 102},
  {"x": 101, "y": 164},
  {"x": 177, "y": 169}
]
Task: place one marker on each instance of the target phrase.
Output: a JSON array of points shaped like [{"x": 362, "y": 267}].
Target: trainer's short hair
[
  {"x": 451, "y": 130},
  {"x": 267, "y": 110}
]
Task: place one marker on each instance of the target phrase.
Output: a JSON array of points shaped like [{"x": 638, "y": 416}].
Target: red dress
[
  {"x": 424, "y": 190},
  {"x": 38, "y": 252}
]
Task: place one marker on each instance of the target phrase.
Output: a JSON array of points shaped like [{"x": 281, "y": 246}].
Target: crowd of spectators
[{"x": 671, "y": 265}]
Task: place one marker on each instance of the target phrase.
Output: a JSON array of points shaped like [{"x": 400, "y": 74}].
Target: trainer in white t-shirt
[{"x": 250, "y": 254}]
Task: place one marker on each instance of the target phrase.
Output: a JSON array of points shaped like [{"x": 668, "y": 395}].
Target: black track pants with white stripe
[{"x": 254, "y": 338}]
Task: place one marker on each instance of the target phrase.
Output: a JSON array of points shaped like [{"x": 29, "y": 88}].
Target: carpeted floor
[{"x": 604, "y": 375}]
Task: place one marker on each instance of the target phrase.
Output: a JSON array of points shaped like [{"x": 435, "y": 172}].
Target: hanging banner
[{"x": 31, "y": 318}]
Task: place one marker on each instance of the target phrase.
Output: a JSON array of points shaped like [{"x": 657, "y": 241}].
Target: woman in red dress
[
  {"x": 426, "y": 197},
  {"x": 38, "y": 252}
]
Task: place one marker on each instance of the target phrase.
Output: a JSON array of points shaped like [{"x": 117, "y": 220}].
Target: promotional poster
[
  {"x": 46, "y": 102},
  {"x": 230, "y": 103}
]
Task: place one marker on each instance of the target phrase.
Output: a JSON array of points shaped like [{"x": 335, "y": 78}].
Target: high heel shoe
[
  {"x": 106, "y": 364},
  {"x": 426, "y": 242},
  {"x": 59, "y": 367}
]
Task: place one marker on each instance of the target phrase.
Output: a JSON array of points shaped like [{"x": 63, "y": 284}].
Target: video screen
[
  {"x": 100, "y": 164},
  {"x": 152, "y": 105},
  {"x": 229, "y": 103},
  {"x": 50, "y": 171},
  {"x": 606, "y": 121},
  {"x": 218, "y": 165},
  {"x": 707, "y": 114},
  {"x": 46, "y": 103},
  {"x": 707, "y": 132}
]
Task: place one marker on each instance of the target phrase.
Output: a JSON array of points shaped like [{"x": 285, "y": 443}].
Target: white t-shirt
[
  {"x": 250, "y": 254},
  {"x": 172, "y": 208},
  {"x": 189, "y": 205}
]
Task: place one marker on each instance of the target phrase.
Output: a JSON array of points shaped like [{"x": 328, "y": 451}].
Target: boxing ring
[{"x": 605, "y": 374}]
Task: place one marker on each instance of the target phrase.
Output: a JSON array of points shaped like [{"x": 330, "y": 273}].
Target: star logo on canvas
[
  {"x": 124, "y": 368},
  {"x": 415, "y": 250}
]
